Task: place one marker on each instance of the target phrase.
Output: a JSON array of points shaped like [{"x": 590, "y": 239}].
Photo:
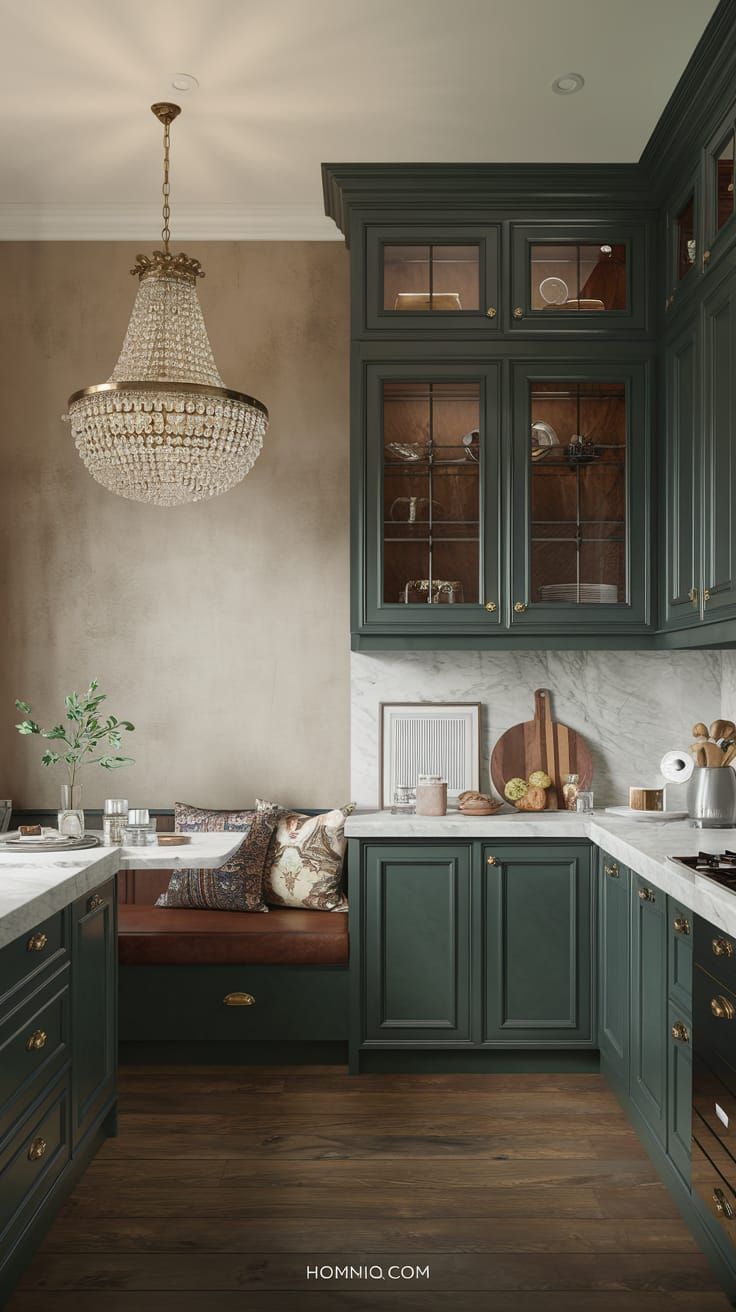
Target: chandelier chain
[{"x": 166, "y": 189}]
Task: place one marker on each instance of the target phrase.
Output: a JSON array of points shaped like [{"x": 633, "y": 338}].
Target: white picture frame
[{"x": 428, "y": 738}]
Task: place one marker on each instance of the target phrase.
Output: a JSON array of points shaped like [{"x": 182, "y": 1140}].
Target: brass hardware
[
  {"x": 95, "y": 902},
  {"x": 37, "y": 1150},
  {"x": 723, "y": 1207},
  {"x": 722, "y": 947},
  {"x": 681, "y": 925},
  {"x": 722, "y": 1009},
  {"x": 611, "y": 870},
  {"x": 646, "y": 895},
  {"x": 693, "y": 596},
  {"x": 706, "y": 594},
  {"x": 680, "y": 1032},
  {"x": 706, "y": 257},
  {"x": 491, "y": 312},
  {"x": 491, "y": 861},
  {"x": 239, "y": 1000},
  {"x": 36, "y": 1041},
  {"x": 519, "y": 607},
  {"x": 166, "y": 113},
  {"x": 36, "y": 943},
  {"x": 518, "y": 312},
  {"x": 491, "y": 607}
]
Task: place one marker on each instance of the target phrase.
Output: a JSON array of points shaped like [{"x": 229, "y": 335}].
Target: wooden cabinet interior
[
  {"x": 428, "y": 278},
  {"x": 585, "y": 276}
]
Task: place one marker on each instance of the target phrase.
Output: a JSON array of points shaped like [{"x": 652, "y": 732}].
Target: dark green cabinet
[
  {"x": 719, "y": 507},
  {"x": 679, "y": 1091},
  {"x": 94, "y": 1006},
  {"x": 648, "y": 1071},
  {"x": 614, "y": 916},
  {"x": 430, "y": 280},
  {"x": 416, "y": 987},
  {"x": 682, "y": 588},
  {"x": 578, "y": 279},
  {"x": 538, "y": 945}
]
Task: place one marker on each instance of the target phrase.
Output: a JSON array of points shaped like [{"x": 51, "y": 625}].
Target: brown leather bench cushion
[{"x": 162, "y": 936}]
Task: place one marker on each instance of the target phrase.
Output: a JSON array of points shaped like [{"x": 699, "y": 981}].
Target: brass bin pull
[
  {"x": 722, "y": 1009},
  {"x": 612, "y": 871},
  {"x": 239, "y": 1000},
  {"x": 36, "y": 1041},
  {"x": 722, "y": 947},
  {"x": 681, "y": 925},
  {"x": 37, "y": 1150},
  {"x": 646, "y": 895},
  {"x": 37, "y": 943},
  {"x": 680, "y": 1032},
  {"x": 723, "y": 1207}
]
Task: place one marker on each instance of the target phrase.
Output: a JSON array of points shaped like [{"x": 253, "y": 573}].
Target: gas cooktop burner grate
[{"x": 718, "y": 866}]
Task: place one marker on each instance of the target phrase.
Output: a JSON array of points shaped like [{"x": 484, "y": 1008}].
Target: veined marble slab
[
  {"x": 644, "y": 846},
  {"x": 35, "y": 885}
]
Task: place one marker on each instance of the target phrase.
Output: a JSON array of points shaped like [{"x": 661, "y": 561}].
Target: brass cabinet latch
[
  {"x": 680, "y": 1032},
  {"x": 95, "y": 902},
  {"x": 491, "y": 607},
  {"x": 693, "y": 596},
  {"x": 37, "y": 1150},
  {"x": 612, "y": 870},
  {"x": 646, "y": 895},
  {"x": 37, "y": 943},
  {"x": 519, "y": 607},
  {"x": 491, "y": 312},
  {"x": 681, "y": 925},
  {"x": 722, "y": 947},
  {"x": 36, "y": 1041}
]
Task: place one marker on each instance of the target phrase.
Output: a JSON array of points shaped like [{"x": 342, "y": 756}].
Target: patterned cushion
[
  {"x": 305, "y": 860},
  {"x": 236, "y": 886}
]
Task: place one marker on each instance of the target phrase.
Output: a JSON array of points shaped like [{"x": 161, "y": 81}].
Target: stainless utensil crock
[{"x": 711, "y": 797}]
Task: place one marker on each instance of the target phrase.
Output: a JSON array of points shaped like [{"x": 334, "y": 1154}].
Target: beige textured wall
[{"x": 220, "y": 629}]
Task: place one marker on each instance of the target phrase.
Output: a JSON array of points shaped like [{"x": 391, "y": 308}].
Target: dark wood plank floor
[{"x": 522, "y": 1193}]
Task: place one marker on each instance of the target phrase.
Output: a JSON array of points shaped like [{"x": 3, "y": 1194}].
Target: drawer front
[
  {"x": 32, "y": 1161},
  {"x": 715, "y": 951},
  {"x": 714, "y": 1190},
  {"x": 680, "y": 1091},
  {"x": 26, "y": 959},
  {"x": 233, "y": 1002},
  {"x": 714, "y": 1110},
  {"x": 34, "y": 1046},
  {"x": 714, "y": 1014},
  {"x": 680, "y": 956}
]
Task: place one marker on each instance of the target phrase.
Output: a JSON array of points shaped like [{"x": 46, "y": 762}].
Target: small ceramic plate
[{"x": 629, "y": 813}]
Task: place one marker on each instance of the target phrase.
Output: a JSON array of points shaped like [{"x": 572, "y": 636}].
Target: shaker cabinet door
[
  {"x": 649, "y": 1046},
  {"x": 613, "y": 956},
  {"x": 435, "y": 279},
  {"x": 578, "y": 279},
  {"x": 719, "y": 352},
  {"x": 94, "y": 1020},
  {"x": 683, "y": 458},
  {"x": 417, "y": 945}
]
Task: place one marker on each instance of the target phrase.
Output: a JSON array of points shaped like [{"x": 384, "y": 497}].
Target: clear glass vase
[{"x": 71, "y": 816}]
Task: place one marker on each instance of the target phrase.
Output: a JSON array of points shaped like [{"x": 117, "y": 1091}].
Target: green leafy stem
[{"x": 87, "y": 732}]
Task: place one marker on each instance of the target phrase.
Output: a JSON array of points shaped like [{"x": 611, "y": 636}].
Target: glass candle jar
[
  {"x": 114, "y": 820},
  {"x": 403, "y": 801},
  {"x": 140, "y": 829}
]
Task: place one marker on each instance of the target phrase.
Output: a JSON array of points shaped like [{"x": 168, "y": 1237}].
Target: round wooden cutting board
[{"x": 541, "y": 744}]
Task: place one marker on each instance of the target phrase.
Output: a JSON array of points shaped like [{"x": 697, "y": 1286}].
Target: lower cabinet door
[
  {"x": 94, "y": 1023},
  {"x": 614, "y": 919},
  {"x": 649, "y": 1045},
  {"x": 680, "y": 1091},
  {"x": 417, "y": 944},
  {"x": 538, "y": 945}
]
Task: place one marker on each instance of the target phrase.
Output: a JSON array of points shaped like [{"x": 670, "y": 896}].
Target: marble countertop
[
  {"x": 34, "y": 885},
  {"x": 644, "y": 846}
]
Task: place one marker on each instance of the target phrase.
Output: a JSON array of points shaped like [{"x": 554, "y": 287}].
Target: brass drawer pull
[
  {"x": 722, "y": 947},
  {"x": 37, "y": 1150},
  {"x": 239, "y": 1000},
  {"x": 95, "y": 902},
  {"x": 491, "y": 312},
  {"x": 612, "y": 870},
  {"x": 490, "y": 860},
  {"x": 491, "y": 607},
  {"x": 680, "y": 1032},
  {"x": 36, "y": 1041},
  {"x": 722, "y": 1009},
  {"x": 646, "y": 895},
  {"x": 681, "y": 925},
  {"x": 37, "y": 943},
  {"x": 723, "y": 1207}
]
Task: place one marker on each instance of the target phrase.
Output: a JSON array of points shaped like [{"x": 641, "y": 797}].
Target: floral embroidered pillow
[
  {"x": 304, "y": 867},
  {"x": 236, "y": 886}
]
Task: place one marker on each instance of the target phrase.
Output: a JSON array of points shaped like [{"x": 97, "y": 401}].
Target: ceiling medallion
[{"x": 164, "y": 428}]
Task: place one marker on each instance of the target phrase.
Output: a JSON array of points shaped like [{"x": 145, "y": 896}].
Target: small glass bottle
[
  {"x": 570, "y": 791},
  {"x": 403, "y": 801},
  {"x": 114, "y": 820}
]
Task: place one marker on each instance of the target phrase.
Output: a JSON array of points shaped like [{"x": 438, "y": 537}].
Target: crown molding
[{"x": 20, "y": 221}]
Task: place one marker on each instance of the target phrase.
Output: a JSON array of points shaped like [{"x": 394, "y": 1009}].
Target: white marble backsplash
[{"x": 631, "y": 707}]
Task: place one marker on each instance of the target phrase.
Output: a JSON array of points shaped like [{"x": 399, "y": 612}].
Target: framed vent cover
[{"x": 428, "y": 738}]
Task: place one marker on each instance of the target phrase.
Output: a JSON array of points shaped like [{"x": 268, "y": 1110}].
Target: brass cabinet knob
[
  {"x": 36, "y": 1041},
  {"x": 519, "y": 607},
  {"x": 722, "y": 1008},
  {"x": 491, "y": 607},
  {"x": 491, "y": 312},
  {"x": 95, "y": 902},
  {"x": 693, "y": 596},
  {"x": 37, "y": 943},
  {"x": 37, "y": 1150},
  {"x": 723, "y": 1207},
  {"x": 706, "y": 594},
  {"x": 722, "y": 947},
  {"x": 680, "y": 1032},
  {"x": 646, "y": 895},
  {"x": 681, "y": 925},
  {"x": 612, "y": 870},
  {"x": 518, "y": 312},
  {"x": 490, "y": 860},
  {"x": 239, "y": 1000}
]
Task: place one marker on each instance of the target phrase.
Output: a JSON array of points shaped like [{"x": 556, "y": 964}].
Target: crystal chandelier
[{"x": 164, "y": 428}]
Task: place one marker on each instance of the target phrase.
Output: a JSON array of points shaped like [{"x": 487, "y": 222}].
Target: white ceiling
[{"x": 286, "y": 84}]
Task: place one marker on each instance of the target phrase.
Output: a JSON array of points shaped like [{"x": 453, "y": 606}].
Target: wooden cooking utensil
[
  {"x": 541, "y": 744},
  {"x": 730, "y": 755},
  {"x": 707, "y": 754},
  {"x": 700, "y": 730}
]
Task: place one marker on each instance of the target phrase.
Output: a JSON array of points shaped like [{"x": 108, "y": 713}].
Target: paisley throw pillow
[{"x": 236, "y": 886}]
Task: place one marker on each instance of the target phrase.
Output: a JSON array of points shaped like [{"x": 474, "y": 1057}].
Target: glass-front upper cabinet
[
  {"x": 580, "y": 504},
  {"x": 432, "y": 280},
  {"x": 685, "y": 256},
  {"x": 720, "y": 232},
  {"x": 432, "y": 471},
  {"x": 577, "y": 278}
]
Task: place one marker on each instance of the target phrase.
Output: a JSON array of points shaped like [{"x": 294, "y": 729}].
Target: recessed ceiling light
[
  {"x": 568, "y": 84},
  {"x": 184, "y": 82}
]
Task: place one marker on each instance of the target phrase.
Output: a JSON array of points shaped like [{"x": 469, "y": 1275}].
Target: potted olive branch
[{"x": 86, "y": 733}]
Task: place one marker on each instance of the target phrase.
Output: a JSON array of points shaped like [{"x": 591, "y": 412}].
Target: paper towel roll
[{"x": 677, "y": 767}]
